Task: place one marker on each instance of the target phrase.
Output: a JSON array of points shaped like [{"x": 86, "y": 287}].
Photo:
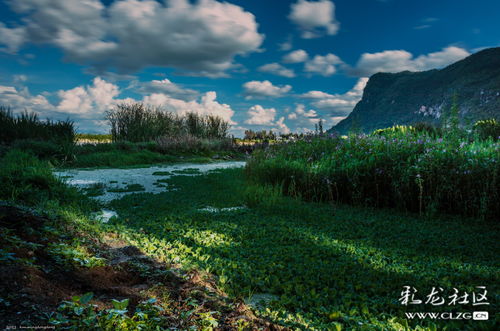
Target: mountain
[{"x": 409, "y": 97}]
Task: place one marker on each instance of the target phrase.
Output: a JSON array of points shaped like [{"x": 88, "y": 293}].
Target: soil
[{"x": 31, "y": 293}]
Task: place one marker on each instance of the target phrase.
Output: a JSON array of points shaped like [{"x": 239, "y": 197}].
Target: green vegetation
[
  {"x": 128, "y": 188},
  {"x": 137, "y": 123},
  {"x": 414, "y": 172},
  {"x": 488, "y": 129},
  {"x": 56, "y": 249},
  {"x": 283, "y": 229},
  {"x": 28, "y": 126},
  {"x": 406, "y": 97},
  {"x": 329, "y": 267},
  {"x": 80, "y": 314}
]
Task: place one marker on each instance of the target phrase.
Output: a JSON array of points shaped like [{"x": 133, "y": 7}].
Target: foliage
[
  {"x": 26, "y": 179},
  {"x": 487, "y": 129},
  {"x": 329, "y": 267},
  {"x": 138, "y": 123},
  {"x": 80, "y": 314},
  {"x": 409, "y": 97},
  {"x": 28, "y": 126},
  {"x": 74, "y": 255},
  {"x": 412, "y": 172},
  {"x": 190, "y": 143},
  {"x": 259, "y": 135}
]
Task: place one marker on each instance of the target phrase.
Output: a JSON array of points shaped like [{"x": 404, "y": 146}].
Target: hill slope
[{"x": 409, "y": 97}]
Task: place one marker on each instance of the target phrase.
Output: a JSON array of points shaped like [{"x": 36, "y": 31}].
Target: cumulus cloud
[
  {"x": 314, "y": 18},
  {"x": 337, "y": 104},
  {"x": 281, "y": 126},
  {"x": 400, "y": 60},
  {"x": 303, "y": 119},
  {"x": 202, "y": 38},
  {"x": 22, "y": 99},
  {"x": 323, "y": 65},
  {"x": 88, "y": 100},
  {"x": 263, "y": 89},
  {"x": 296, "y": 56},
  {"x": 207, "y": 105},
  {"x": 87, "y": 104},
  {"x": 259, "y": 115},
  {"x": 164, "y": 86},
  {"x": 277, "y": 69}
]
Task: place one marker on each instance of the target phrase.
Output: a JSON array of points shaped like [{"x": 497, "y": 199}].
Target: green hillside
[{"x": 409, "y": 97}]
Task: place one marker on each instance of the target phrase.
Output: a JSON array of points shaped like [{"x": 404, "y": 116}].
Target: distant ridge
[{"x": 410, "y": 97}]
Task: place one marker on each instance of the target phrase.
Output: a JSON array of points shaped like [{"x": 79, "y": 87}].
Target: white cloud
[
  {"x": 400, "y": 60},
  {"x": 11, "y": 38},
  {"x": 337, "y": 104},
  {"x": 258, "y": 115},
  {"x": 316, "y": 95},
  {"x": 202, "y": 37},
  {"x": 314, "y": 18},
  {"x": 90, "y": 100},
  {"x": 281, "y": 126},
  {"x": 164, "y": 86},
  {"x": 207, "y": 105},
  {"x": 262, "y": 89},
  {"x": 323, "y": 65},
  {"x": 296, "y": 56},
  {"x": 20, "y": 99},
  {"x": 277, "y": 69},
  {"x": 286, "y": 45}
]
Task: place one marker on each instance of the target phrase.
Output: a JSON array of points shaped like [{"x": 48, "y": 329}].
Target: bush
[
  {"x": 28, "y": 126},
  {"x": 413, "y": 172},
  {"x": 28, "y": 180},
  {"x": 139, "y": 123},
  {"x": 487, "y": 129}
]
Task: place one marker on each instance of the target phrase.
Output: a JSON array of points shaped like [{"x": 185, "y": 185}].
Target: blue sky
[{"x": 279, "y": 65}]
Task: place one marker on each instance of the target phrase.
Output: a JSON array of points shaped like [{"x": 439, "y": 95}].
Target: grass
[
  {"x": 409, "y": 171},
  {"x": 27, "y": 125},
  {"x": 137, "y": 122},
  {"x": 330, "y": 267},
  {"x": 128, "y": 188},
  {"x": 325, "y": 266}
]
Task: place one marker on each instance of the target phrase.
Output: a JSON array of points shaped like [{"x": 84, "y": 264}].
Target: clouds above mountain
[
  {"x": 336, "y": 104},
  {"x": 264, "y": 89},
  {"x": 400, "y": 60},
  {"x": 202, "y": 37},
  {"x": 324, "y": 65},
  {"x": 314, "y": 18}
]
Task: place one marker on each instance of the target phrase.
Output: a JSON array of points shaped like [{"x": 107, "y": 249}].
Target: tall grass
[
  {"x": 28, "y": 126},
  {"x": 137, "y": 122},
  {"x": 410, "y": 171}
]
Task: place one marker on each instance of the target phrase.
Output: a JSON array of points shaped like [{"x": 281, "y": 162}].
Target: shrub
[
  {"x": 28, "y": 180},
  {"x": 413, "y": 172},
  {"x": 487, "y": 129},
  {"x": 28, "y": 126},
  {"x": 140, "y": 123}
]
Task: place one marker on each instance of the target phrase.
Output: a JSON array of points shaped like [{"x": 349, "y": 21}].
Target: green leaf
[
  {"x": 120, "y": 305},
  {"x": 86, "y": 298}
]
